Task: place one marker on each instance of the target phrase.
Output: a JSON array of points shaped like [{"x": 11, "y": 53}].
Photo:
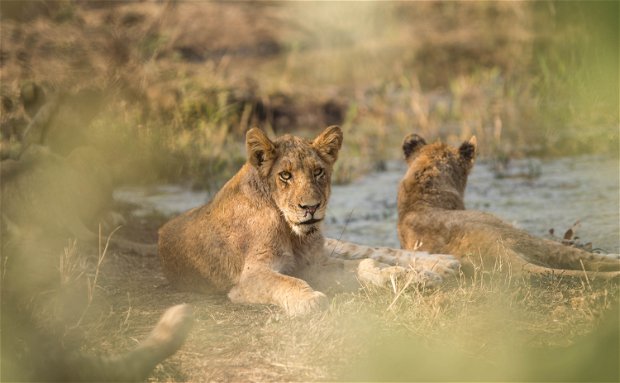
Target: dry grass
[
  {"x": 183, "y": 81},
  {"x": 495, "y": 326},
  {"x": 492, "y": 325}
]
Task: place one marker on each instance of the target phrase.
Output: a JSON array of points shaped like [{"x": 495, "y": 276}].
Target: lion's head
[
  {"x": 296, "y": 173},
  {"x": 437, "y": 173}
]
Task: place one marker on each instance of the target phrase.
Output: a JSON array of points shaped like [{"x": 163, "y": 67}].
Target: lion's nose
[{"x": 310, "y": 208}]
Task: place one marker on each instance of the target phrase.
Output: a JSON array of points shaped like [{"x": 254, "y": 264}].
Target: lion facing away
[
  {"x": 260, "y": 240},
  {"x": 432, "y": 217}
]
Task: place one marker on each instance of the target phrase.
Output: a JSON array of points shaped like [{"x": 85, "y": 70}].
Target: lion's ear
[
  {"x": 468, "y": 149},
  {"x": 261, "y": 151},
  {"x": 328, "y": 143},
  {"x": 411, "y": 144}
]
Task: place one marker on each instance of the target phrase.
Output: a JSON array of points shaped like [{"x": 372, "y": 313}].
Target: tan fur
[
  {"x": 36, "y": 356},
  {"x": 432, "y": 217},
  {"x": 260, "y": 238},
  {"x": 426, "y": 268},
  {"x": 164, "y": 340}
]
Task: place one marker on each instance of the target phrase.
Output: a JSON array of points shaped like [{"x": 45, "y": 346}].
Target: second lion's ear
[
  {"x": 468, "y": 150},
  {"x": 411, "y": 144},
  {"x": 260, "y": 150}
]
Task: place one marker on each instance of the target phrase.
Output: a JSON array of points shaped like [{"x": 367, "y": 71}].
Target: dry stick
[
  {"x": 585, "y": 275},
  {"x": 6, "y": 259},
  {"x": 128, "y": 311},
  {"x": 409, "y": 280},
  {"x": 91, "y": 287},
  {"x": 67, "y": 264},
  {"x": 393, "y": 281},
  {"x": 346, "y": 223}
]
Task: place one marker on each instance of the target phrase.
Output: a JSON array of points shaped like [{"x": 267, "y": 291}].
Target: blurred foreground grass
[
  {"x": 180, "y": 82},
  {"x": 495, "y": 327}
]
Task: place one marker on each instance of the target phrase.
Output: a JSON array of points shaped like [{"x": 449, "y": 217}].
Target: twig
[
  {"x": 128, "y": 310},
  {"x": 93, "y": 285},
  {"x": 409, "y": 280},
  {"x": 585, "y": 274},
  {"x": 346, "y": 223}
]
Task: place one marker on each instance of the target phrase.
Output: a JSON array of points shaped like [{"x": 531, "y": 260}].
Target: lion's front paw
[
  {"x": 305, "y": 303},
  {"x": 443, "y": 265},
  {"x": 380, "y": 274},
  {"x": 425, "y": 278}
]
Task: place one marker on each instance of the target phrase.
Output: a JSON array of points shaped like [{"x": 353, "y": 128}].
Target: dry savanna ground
[{"x": 495, "y": 327}]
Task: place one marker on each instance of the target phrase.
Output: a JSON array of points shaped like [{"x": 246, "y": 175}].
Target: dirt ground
[{"x": 486, "y": 329}]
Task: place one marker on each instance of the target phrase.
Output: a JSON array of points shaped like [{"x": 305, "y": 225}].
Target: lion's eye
[
  {"x": 285, "y": 176},
  {"x": 318, "y": 172}
]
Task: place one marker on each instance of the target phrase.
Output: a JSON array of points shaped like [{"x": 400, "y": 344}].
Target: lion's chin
[{"x": 306, "y": 228}]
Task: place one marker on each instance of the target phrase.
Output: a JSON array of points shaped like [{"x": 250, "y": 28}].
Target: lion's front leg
[
  {"x": 260, "y": 284},
  {"x": 331, "y": 275}
]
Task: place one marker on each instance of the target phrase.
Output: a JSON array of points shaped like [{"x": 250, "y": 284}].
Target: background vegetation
[{"x": 173, "y": 86}]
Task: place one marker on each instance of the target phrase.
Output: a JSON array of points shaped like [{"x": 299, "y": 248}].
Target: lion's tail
[
  {"x": 163, "y": 341},
  {"x": 551, "y": 257},
  {"x": 542, "y": 270}
]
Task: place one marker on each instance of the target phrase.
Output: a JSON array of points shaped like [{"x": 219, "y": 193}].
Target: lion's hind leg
[
  {"x": 429, "y": 269},
  {"x": 163, "y": 341},
  {"x": 380, "y": 274}
]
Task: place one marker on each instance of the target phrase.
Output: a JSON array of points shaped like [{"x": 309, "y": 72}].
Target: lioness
[
  {"x": 260, "y": 238},
  {"x": 30, "y": 354},
  {"x": 432, "y": 217}
]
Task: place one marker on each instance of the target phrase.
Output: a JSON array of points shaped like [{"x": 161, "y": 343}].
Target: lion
[
  {"x": 33, "y": 355},
  {"x": 259, "y": 239},
  {"x": 32, "y": 225},
  {"x": 432, "y": 217}
]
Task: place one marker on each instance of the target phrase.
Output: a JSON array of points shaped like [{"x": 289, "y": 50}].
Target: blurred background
[{"x": 167, "y": 89}]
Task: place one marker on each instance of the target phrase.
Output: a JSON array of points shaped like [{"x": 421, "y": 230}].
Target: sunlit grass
[
  {"x": 525, "y": 78},
  {"x": 490, "y": 327}
]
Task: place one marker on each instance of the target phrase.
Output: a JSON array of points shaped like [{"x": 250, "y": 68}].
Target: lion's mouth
[{"x": 310, "y": 221}]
